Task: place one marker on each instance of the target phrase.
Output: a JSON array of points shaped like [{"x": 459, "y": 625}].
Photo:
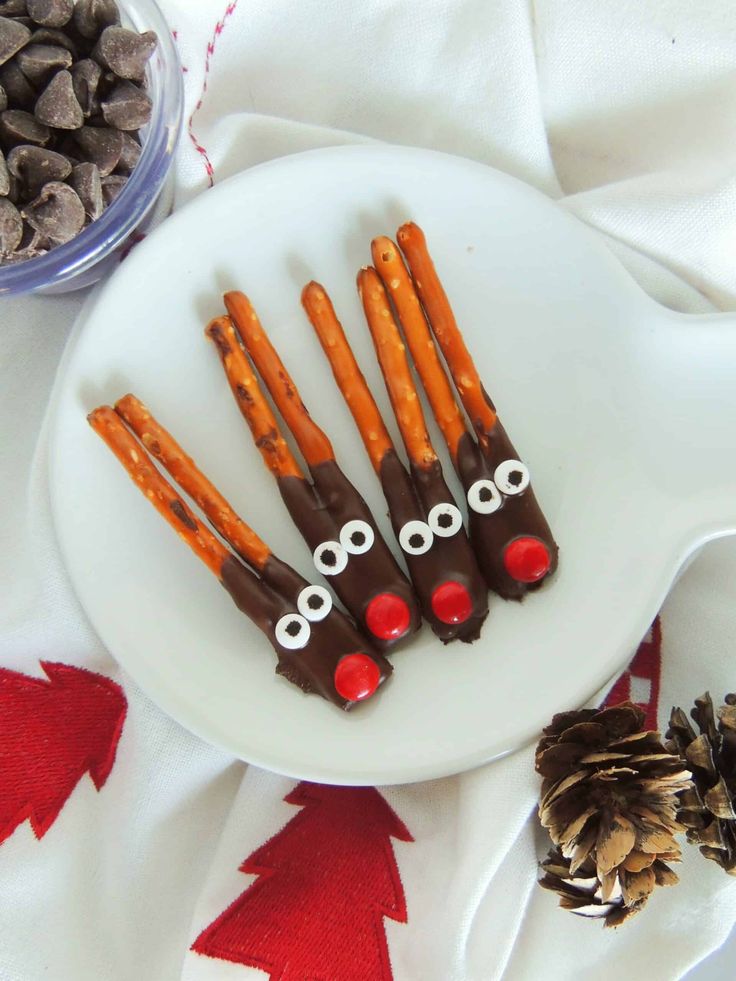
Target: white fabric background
[{"x": 625, "y": 112}]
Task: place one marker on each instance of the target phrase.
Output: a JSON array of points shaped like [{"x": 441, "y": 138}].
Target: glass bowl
[{"x": 97, "y": 248}]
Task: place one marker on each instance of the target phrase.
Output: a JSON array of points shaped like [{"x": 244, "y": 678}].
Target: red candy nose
[
  {"x": 387, "y": 616},
  {"x": 356, "y": 677},
  {"x": 526, "y": 559},
  {"x": 451, "y": 602}
]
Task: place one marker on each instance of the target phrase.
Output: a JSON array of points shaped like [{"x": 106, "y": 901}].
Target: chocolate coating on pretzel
[
  {"x": 410, "y": 498},
  {"x": 320, "y": 512},
  {"x": 265, "y": 601}
]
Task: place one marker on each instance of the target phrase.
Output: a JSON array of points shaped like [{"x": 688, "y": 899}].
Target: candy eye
[
  {"x": 484, "y": 497},
  {"x": 314, "y": 603},
  {"x": 445, "y": 520},
  {"x": 511, "y": 477},
  {"x": 356, "y": 536},
  {"x": 330, "y": 558},
  {"x": 292, "y": 632},
  {"x": 416, "y": 538}
]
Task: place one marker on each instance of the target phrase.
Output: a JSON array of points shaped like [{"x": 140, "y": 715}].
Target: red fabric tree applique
[
  {"x": 640, "y": 681},
  {"x": 325, "y": 882},
  {"x": 52, "y": 733}
]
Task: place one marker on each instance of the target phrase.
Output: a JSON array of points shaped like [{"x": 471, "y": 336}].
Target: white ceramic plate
[{"x": 624, "y": 411}]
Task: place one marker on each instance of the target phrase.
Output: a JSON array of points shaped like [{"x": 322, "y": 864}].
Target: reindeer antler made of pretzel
[
  {"x": 318, "y": 648},
  {"x": 331, "y": 515},
  {"x": 510, "y": 534},
  {"x": 426, "y": 520}
]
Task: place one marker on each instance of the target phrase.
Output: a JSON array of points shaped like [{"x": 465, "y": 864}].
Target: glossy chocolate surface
[
  {"x": 319, "y": 513},
  {"x": 267, "y": 599},
  {"x": 519, "y": 515},
  {"x": 410, "y": 498}
]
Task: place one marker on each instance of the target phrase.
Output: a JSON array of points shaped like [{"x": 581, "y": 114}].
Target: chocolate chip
[
  {"x": 130, "y": 154},
  {"x": 13, "y": 8},
  {"x": 92, "y": 16},
  {"x": 51, "y": 13},
  {"x": 86, "y": 182},
  {"x": 57, "y": 105},
  {"x": 35, "y": 166},
  {"x": 3, "y": 99},
  {"x": 127, "y": 107},
  {"x": 18, "y": 90},
  {"x": 125, "y": 52},
  {"x": 85, "y": 79},
  {"x": 13, "y": 36},
  {"x": 4, "y": 177},
  {"x": 112, "y": 186},
  {"x": 11, "y": 226},
  {"x": 17, "y": 126},
  {"x": 47, "y": 35},
  {"x": 101, "y": 146},
  {"x": 57, "y": 213},
  {"x": 38, "y": 62},
  {"x": 14, "y": 194}
]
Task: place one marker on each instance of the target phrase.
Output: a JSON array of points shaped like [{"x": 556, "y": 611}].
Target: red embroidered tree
[
  {"x": 52, "y": 733},
  {"x": 639, "y": 683},
  {"x": 325, "y": 883}
]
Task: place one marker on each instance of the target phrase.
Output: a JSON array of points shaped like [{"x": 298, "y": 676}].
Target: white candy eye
[
  {"x": 356, "y": 536},
  {"x": 484, "y": 497},
  {"x": 511, "y": 477},
  {"x": 330, "y": 558},
  {"x": 445, "y": 520},
  {"x": 292, "y": 632},
  {"x": 416, "y": 538},
  {"x": 314, "y": 603}
]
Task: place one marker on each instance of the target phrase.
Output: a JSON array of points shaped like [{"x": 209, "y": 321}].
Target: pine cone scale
[
  {"x": 708, "y": 811},
  {"x": 610, "y": 803}
]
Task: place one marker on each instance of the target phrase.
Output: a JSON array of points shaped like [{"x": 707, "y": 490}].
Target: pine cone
[
  {"x": 581, "y": 891},
  {"x": 609, "y": 799},
  {"x": 708, "y": 810}
]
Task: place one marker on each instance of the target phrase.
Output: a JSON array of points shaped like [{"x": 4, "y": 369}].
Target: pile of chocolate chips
[{"x": 72, "y": 100}]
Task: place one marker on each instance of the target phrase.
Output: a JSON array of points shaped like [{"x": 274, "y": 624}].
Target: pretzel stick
[
  {"x": 396, "y": 279},
  {"x": 314, "y": 444},
  {"x": 185, "y": 472},
  {"x": 251, "y": 400},
  {"x": 347, "y": 373},
  {"x": 108, "y": 425},
  {"x": 395, "y": 368},
  {"x": 445, "y": 329}
]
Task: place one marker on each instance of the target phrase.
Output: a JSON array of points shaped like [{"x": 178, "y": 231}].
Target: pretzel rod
[
  {"x": 444, "y": 327},
  {"x": 311, "y": 440},
  {"x": 348, "y": 375},
  {"x": 391, "y": 269},
  {"x": 252, "y": 403},
  {"x": 161, "y": 445},
  {"x": 395, "y": 369},
  {"x": 108, "y": 425}
]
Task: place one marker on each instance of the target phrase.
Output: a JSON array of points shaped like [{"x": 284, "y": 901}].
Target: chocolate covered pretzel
[
  {"x": 426, "y": 520},
  {"x": 334, "y": 520},
  {"x": 318, "y": 647},
  {"x": 510, "y": 534}
]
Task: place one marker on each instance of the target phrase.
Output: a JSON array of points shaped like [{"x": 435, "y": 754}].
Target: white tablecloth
[{"x": 623, "y": 111}]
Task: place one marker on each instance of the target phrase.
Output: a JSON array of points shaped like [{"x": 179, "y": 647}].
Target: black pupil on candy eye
[
  {"x": 515, "y": 478},
  {"x": 315, "y": 602},
  {"x": 485, "y": 494},
  {"x": 357, "y": 538},
  {"x": 294, "y": 628},
  {"x": 416, "y": 540},
  {"x": 444, "y": 520},
  {"x": 329, "y": 557}
]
